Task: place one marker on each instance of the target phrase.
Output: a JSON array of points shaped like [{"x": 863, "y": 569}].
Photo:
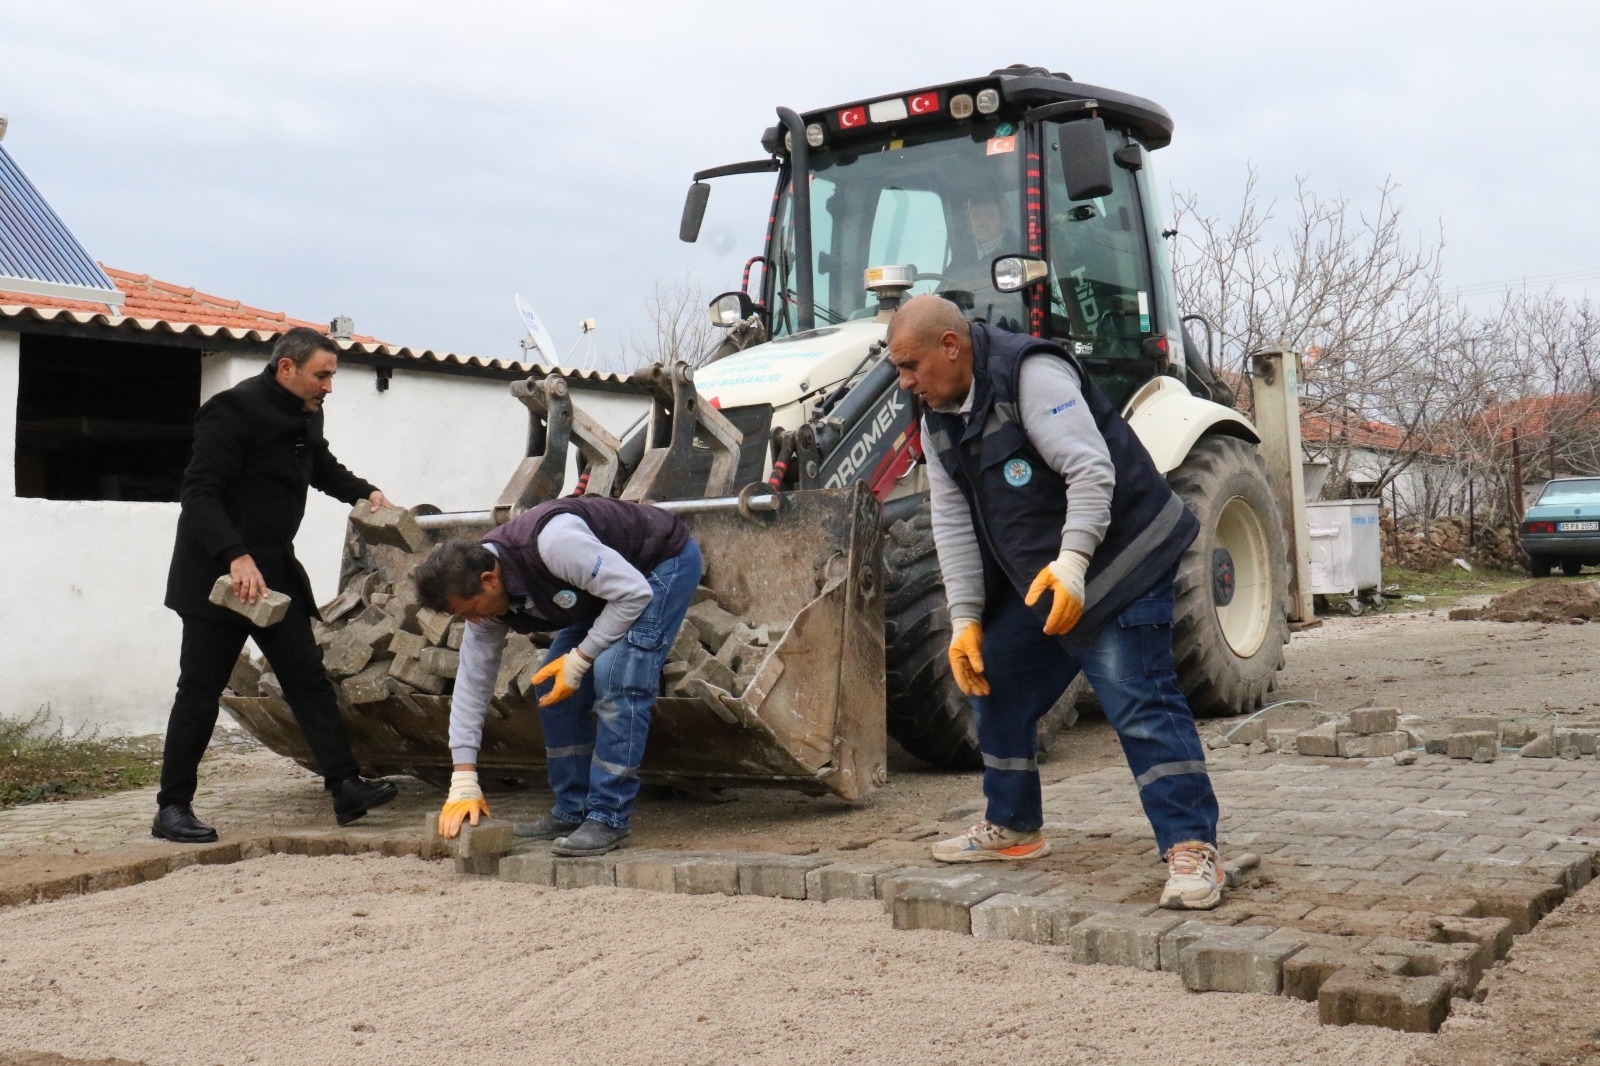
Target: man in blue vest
[
  {"x": 1058, "y": 539},
  {"x": 615, "y": 579}
]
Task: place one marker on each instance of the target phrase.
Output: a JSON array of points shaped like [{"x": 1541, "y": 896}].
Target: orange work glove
[
  {"x": 567, "y": 673},
  {"x": 465, "y": 801},
  {"x": 966, "y": 657},
  {"x": 1064, "y": 580}
]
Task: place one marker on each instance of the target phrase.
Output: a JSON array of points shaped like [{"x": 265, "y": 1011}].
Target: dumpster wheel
[{"x": 1229, "y": 622}]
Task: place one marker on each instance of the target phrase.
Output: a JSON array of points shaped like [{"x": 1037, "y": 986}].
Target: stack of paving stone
[
  {"x": 379, "y": 643},
  {"x": 713, "y": 651},
  {"x": 1363, "y": 733},
  {"x": 1394, "y": 968}
]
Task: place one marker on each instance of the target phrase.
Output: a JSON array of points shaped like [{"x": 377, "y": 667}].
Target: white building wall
[{"x": 82, "y": 628}]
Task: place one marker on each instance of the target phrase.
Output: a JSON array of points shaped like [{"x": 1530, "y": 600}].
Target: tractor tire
[
  {"x": 1230, "y": 622},
  {"x": 927, "y": 714}
]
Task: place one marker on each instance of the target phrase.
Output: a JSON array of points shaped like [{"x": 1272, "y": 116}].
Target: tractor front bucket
[{"x": 793, "y": 696}]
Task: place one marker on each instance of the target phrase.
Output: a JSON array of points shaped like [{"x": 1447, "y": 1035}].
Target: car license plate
[{"x": 1578, "y": 527}]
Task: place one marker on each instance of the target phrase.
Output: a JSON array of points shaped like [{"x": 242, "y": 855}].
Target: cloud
[{"x": 414, "y": 165}]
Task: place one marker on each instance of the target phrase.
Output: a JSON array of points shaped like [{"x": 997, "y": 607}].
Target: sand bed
[{"x": 357, "y": 960}]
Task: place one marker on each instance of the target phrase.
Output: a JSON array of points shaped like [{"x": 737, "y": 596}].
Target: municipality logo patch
[
  {"x": 1018, "y": 473},
  {"x": 565, "y": 598}
]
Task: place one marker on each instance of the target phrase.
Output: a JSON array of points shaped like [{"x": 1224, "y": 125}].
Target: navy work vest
[
  {"x": 1019, "y": 504},
  {"x": 643, "y": 535}
]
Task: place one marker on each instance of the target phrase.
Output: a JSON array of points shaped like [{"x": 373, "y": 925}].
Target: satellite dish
[{"x": 539, "y": 338}]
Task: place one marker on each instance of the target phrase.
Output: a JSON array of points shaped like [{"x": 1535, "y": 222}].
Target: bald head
[
  {"x": 930, "y": 344},
  {"x": 925, "y": 317}
]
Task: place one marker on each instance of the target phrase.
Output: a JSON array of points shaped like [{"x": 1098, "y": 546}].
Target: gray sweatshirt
[
  {"x": 574, "y": 554},
  {"x": 1059, "y": 426}
]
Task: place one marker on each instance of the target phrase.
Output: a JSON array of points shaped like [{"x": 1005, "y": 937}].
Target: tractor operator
[
  {"x": 1058, "y": 539},
  {"x": 615, "y": 578},
  {"x": 257, "y": 447}
]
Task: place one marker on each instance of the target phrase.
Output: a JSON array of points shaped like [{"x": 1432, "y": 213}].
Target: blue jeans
[
  {"x": 594, "y": 739},
  {"x": 1128, "y": 661}
]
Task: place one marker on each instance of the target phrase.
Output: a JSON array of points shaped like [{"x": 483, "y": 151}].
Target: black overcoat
[{"x": 256, "y": 451}]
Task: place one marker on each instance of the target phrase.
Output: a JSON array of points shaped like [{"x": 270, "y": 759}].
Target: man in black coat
[{"x": 257, "y": 447}]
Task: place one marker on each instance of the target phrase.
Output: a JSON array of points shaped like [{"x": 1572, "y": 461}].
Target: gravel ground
[{"x": 355, "y": 960}]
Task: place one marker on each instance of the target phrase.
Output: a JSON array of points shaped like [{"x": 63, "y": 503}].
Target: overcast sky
[{"x": 415, "y": 165}]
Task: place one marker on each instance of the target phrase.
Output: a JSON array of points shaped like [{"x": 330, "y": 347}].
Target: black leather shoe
[
  {"x": 354, "y": 797},
  {"x": 547, "y": 828},
  {"x": 176, "y": 822},
  {"x": 590, "y": 838}
]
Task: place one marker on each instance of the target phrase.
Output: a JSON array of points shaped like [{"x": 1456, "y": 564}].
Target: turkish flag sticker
[
  {"x": 1002, "y": 145},
  {"x": 923, "y": 104},
  {"x": 852, "y": 118}
]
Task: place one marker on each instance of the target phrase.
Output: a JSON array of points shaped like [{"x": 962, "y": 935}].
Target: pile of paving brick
[
  {"x": 1434, "y": 543},
  {"x": 1573, "y": 602},
  {"x": 1376, "y": 732},
  {"x": 379, "y": 643}
]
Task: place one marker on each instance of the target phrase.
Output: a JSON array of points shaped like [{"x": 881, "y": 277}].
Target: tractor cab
[{"x": 1025, "y": 198}]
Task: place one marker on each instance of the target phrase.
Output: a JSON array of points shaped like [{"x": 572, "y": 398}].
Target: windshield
[
  {"x": 945, "y": 202},
  {"x": 1583, "y": 490}
]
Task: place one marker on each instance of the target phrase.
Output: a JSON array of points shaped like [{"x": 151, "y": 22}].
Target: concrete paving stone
[
  {"x": 1013, "y": 916},
  {"x": 479, "y": 865},
  {"x": 1524, "y": 903},
  {"x": 892, "y": 882},
  {"x": 1572, "y": 871},
  {"x": 393, "y": 527},
  {"x": 1340, "y": 921},
  {"x": 1255, "y": 912},
  {"x": 491, "y": 836},
  {"x": 1373, "y": 746},
  {"x": 649, "y": 870},
  {"x": 1305, "y": 972},
  {"x": 1111, "y": 939},
  {"x": 588, "y": 872},
  {"x": 1492, "y": 936},
  {"x": 268, "y": 610},
  {"x": 533, "y": 867},
  {"x": 1436, "y": 906},
  {"x": 1319, "y": 742},
  {"x": 1186, "y": 934},
  {"x": 1456, "y": 964},
  {"x": 707, "y": 875},
  {"x": 780, "y": 876},
  {"x": 1215, "y": 966},
  {"x": 1475, "y": 723},
  {"x": 1358, "y": 997},
  {"x": 946, "y": 907},
  {"x": 1374, "y": 720}
]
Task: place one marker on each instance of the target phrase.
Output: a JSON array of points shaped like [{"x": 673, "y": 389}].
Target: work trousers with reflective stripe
[
  {"x": 595, "y": 738},
  {"x": 1128, "y": 661}
]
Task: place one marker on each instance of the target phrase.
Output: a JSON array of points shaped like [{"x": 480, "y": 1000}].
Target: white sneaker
[
  {"x": 1194, "y": 877},
  {"x": 987, "y": 842}
]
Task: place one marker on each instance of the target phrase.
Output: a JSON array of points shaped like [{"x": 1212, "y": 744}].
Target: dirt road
[{"x": 770, "y": 979}]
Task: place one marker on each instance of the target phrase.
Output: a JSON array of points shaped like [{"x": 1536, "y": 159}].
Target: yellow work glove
[
  {"x": 568, "y": 673},
  {"x": 966, "y": 657},
  {"x": 465, "y": 801},
  {"x": 1063, "y": 578}
]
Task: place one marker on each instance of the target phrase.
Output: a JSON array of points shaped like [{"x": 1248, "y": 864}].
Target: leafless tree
[
  {"x": 1351, "y": 289},
  {"x": 681, "y": 329}
]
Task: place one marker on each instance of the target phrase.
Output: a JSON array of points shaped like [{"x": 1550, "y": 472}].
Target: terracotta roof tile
[{"x": 152, "y": 305}]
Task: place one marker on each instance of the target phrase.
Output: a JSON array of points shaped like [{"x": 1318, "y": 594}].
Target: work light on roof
[
  {"x": 961, "y": 106},
  {"x": 988, "y": 101},
  {"x": 814, "y": 135}
]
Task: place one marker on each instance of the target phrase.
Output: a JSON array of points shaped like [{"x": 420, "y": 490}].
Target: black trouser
[{"x": 210, "y": 649}]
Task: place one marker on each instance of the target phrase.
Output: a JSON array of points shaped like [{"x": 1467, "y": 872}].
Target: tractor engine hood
[{"x": 789, "y": 369}]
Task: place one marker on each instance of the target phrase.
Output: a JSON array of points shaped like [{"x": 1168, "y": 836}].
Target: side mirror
[
  {"x": 1013, "y": 273},
  {"x": 694, "y": 211},
  {"x": 1085, "y": 161},
  {"x": 731, "y": 308}
]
